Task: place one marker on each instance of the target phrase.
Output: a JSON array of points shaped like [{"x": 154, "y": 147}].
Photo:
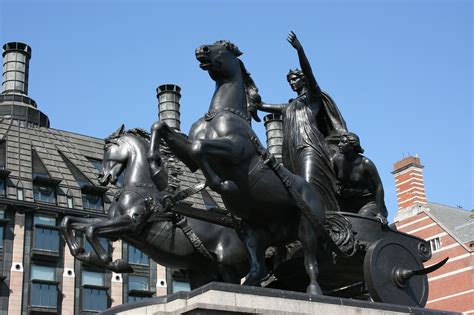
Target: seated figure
[{"x": 360, "y": 189}]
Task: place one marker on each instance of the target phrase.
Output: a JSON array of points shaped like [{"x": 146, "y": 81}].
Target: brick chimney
[{"x": 409, "y": 182}]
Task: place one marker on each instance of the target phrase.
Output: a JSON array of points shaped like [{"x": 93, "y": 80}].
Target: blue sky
[{"x": 400, "y": 71}]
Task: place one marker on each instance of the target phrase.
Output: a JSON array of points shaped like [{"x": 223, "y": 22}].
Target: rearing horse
[
  {"x": 163, "y": 237},
  {"x": 223, "y": 145}
]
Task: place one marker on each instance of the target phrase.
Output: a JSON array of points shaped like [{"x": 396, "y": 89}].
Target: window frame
[
  {"x": 85, "y": 196},
  {"x": 49, "y": 283},
  {"x": 435, "y": 244},
  {"x": 3, "y": 187},
  {"x": 3, "y": 224},
  {"x": 142, "y": 254},
  {"x": 49, "y": 199},
  {"x": 93, "y": 287},
  {"x": 45, "y": 252},
  {"x": 134, "y": 295}
]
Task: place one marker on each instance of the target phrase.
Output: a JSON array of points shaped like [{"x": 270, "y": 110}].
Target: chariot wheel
[{"x": 395, "y": 275}]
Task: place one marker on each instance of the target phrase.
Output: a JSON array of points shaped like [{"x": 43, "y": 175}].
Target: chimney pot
[
  {"x": 274, "y": 131},
  {"x": 168, "y": 105},
  {"x": 16, "y": 60}
]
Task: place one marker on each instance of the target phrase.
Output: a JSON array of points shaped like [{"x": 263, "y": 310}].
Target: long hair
[{"x": 251, "y": 90}]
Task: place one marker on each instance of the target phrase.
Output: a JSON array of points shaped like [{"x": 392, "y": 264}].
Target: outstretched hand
[{"x": 293, "y": 40}]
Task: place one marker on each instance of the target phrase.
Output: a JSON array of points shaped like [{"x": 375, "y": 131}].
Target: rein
[{"x": 213, "y": 113}]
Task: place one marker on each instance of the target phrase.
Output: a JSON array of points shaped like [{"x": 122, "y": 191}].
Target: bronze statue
[
  {"x": 206, "y": 251},
  {"x": 275, "y": 206},
  {"x": 360, "y": 189},
  {"x": 307, "y": 121}
]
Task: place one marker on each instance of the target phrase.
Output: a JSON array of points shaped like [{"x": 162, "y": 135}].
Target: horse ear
[{"x": 121, "y": 130}]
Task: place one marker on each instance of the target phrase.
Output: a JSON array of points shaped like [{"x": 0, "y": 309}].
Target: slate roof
[
  {"x": 48, "y": 142},
  {"x": 458, "y": 221}
]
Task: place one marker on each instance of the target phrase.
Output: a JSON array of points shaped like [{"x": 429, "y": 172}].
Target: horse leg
[
  {"x": 221, "y": 148},
  {"x": 229, "y": 274},
  {"x": 200, "y": 276},
  {"x": 67, "y": 227},
  {"x": 179, "y": 145},
  {"x": 254, "y": 241},
  {"x": 308, "y": 239},
  {"x": 116, "y": 226}
]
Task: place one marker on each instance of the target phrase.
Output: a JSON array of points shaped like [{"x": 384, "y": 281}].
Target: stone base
[{"x": 222, "y": 298}]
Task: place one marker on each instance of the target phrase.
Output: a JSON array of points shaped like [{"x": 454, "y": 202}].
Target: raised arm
[{"x": 311, "y": 83}]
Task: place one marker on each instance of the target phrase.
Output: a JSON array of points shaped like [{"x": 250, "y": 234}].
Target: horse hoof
[
  {"x": 254, "y": 279},
  {"x": 121, "y": 266},
  {"x": 82, "y": 256},
  {"x": 77, "y": 251},
  {"x": 314, "y": 289}
]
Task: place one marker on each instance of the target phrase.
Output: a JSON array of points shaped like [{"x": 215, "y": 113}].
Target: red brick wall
[{"x": 451, "y": 287}]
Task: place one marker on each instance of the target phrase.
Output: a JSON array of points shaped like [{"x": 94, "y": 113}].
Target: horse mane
[
  {"x": 140, "y": 132},
  {"x": 251, "y": 90}
]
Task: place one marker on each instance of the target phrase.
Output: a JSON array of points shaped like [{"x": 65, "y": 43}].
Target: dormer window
[
  {"x": 44, "y": 186},
  {"x": 3, "y": 154},
  {"x": 92, "y": 196},
  {"x": 2, "y": 187},
  {"x": 44, "y": 193},
  {"x": 3, "y": 167}
]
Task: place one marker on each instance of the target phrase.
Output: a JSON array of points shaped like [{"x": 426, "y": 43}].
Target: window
[
  {"x": 44, "y": 193},
  {"x": 177, "y": 286},
  {"x": 70, "y": 202},
  {"x": 435, "y": 244},
  {"x": 92, "y": 201},
  {"x": 103, "y": 241},
  {"x": 136, "y": 256},
  {"x": 3, "y": 155},
  {"x": 46, "y": 236},
  {"x": 19, "y": 194},
  {"x": 2, "y": 187},
  {"x": 44, "y": 288},
  {"x": 96, "y": 163},
  {"x": 94, "y": 294},
  {"x": 92, "y": 278},
  {"x": 178, "y": 282},
  {"x": 138, "y": 288},
  {"x": 2, "y": 216}
]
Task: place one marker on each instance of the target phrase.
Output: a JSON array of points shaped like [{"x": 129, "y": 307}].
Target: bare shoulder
[{"x": 367, "y": 163}]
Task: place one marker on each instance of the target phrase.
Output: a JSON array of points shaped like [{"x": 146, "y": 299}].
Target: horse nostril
[{"x": 205, "y": 49}]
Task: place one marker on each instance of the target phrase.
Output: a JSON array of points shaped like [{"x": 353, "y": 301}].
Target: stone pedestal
[{"x": 220, "y": 298}]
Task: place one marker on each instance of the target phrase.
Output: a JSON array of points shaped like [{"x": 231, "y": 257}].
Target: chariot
[{"x": 367, "y": 260}]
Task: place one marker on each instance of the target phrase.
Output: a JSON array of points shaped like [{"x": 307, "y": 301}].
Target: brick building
[
  {"x": 46, "y": 174},
  {"x": 450, "y": 232}
]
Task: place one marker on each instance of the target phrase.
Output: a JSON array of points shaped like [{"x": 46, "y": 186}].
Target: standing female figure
[{"x": 307, "y": 120}]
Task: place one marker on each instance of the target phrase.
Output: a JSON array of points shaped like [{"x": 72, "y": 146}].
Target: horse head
[
  {"x": 219, "y": 59},
  {"x": 115, "y": 158}
]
